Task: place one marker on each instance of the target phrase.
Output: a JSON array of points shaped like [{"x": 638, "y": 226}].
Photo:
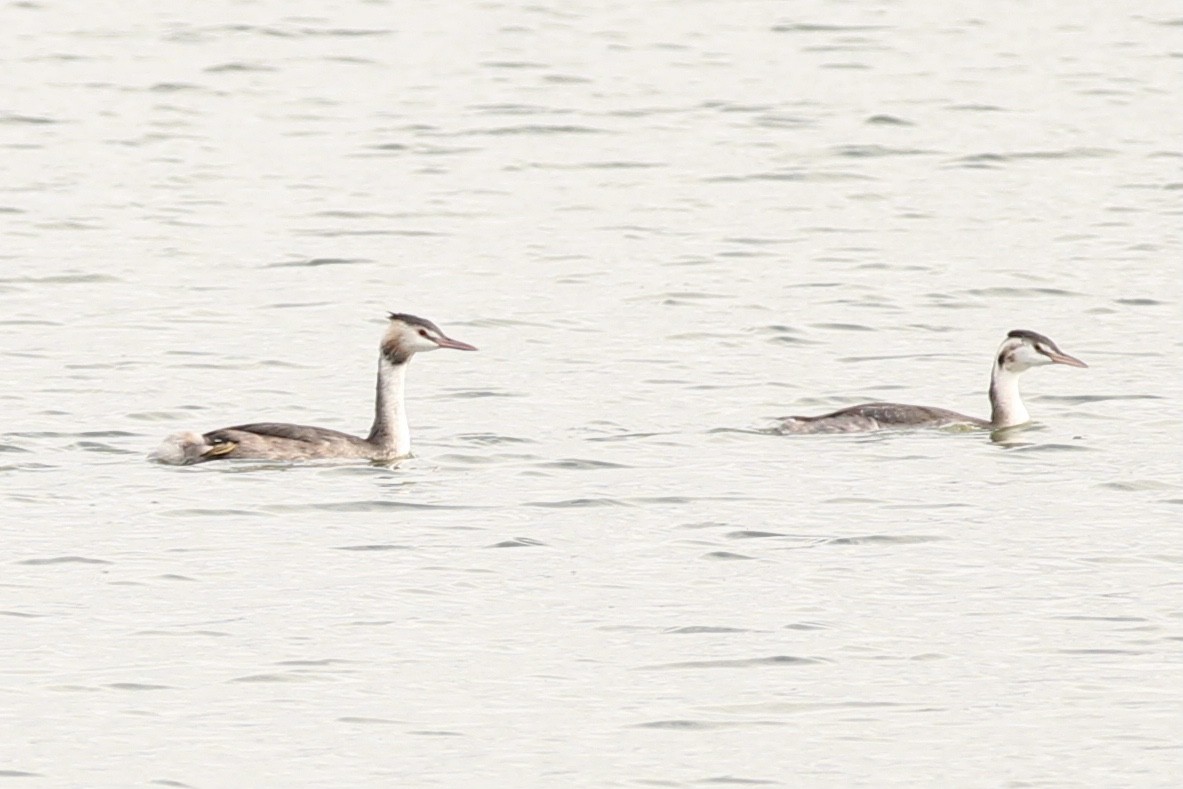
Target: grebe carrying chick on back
[
  {"x": 1019, "y": 352},
  {"x": 389, "y": 437}
]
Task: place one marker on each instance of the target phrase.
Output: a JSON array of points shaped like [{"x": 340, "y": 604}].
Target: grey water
[{"x": 664, "y": 225}]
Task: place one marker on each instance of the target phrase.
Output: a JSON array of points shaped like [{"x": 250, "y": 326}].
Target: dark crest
[
  {"x": 1024, "y": 334},
  {"x": 413, "y": 320}
]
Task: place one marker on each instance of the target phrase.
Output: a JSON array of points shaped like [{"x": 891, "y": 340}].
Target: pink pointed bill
[
  {"x": 1063, "y": 358},
  {"x": 445, "y": 342}
]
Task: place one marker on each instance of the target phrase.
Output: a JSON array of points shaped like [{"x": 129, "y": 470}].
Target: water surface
[{"x": 664, "y": 224}]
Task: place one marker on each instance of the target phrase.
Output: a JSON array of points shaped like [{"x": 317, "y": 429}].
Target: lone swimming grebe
[
  {"x": 389, "y": 438},
  {"x": 1020, "y": 351}
]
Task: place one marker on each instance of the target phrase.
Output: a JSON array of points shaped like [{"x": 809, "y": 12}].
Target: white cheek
[
  {"x": 422, "y": 345},
  {"x": 1025, "y": 358}
]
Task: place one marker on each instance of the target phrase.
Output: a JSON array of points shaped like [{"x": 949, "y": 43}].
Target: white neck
[
  {"x": 390, "y": 431},
  {"x": 1006, "y": 404}
]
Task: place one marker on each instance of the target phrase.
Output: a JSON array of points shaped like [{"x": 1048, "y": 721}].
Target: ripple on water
[
  {"x": 627, "y": 437},
  {"x": 842, "y": 326},
  {"x": 790, "y": 707},
  {"x": 886, "y": 120},
  {"x": 991, "y": 159},
  {"x": 1140, "y": 302},
  {"x": 780, "y": 120},
  {"x": 63, "y": 560},
  {"x": 1040, "y": 448},
  {"x": 705, "y": 725},
  {"x": 883, "y": 539},
  {"x": 793, "y": 175},
  {"x": 63, "y": 279},
  {"x": 815, "y": 27},
  {"x": 373, "y": 505},
  {"x": 210, "y": 512},
  {"x": 1009, "y": 292},
  {"x": 154, "y": 416},
  {"x": 872, "y": 151},
  {"x": 740, "y": 780},
  {"x": 269, "y": 678},
  {"x": 375, "y": 547},
  {"x": 1090, "y": 618},
  {"x": 581, "y": 464},
  {"x": 535, "y": 128},
  {"x": 238, "y": 66},
  {"x": 471, "y": 394},
  {"x": 519, "y": 542},
  {"x": 101, "y": 448},
  {"x": 1078, "y": 399},
  {"x": 488, "y": 439},
  {"x": 34, "y": 120},
  {"x": 727, "y": 556},
  {"x": 761, "y": 662},
  {"x": 317, "y": 262},
  {"x": 578, "y": 503},
  {"x": 82, "y": 434},
  {"x": 1138, "y": 485}
]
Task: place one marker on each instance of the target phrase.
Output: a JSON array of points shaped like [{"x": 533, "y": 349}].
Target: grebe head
[
  {"x": 1024, "y": 349},
  {"x": 407, "y": 335}
]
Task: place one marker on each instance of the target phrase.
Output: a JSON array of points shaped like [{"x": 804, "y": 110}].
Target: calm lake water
[{"x": 664, "y": 224}]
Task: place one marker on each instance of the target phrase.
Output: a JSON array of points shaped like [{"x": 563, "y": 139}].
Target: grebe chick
[
  {"x": 389, "y": 438},
  {"x": 1020, "y": 351}
]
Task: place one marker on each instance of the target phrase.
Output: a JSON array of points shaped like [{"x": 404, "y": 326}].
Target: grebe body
[
  {"x": 1019, "y": 352},
  {"x": 389, "y": 436}
]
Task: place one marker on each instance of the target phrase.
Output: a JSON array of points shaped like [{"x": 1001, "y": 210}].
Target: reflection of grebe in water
[
  {"x": 1020, "y": 351},
  {"x": 389, "y": 438}
]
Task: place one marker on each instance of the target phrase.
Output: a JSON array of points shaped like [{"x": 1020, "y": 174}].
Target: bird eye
[{"x": 423, "y": 332}]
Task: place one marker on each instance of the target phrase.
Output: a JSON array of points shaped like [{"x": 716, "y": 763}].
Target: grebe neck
[
  {"x": 391, "y": 432},
  {"x": 1006, "y": 404}
]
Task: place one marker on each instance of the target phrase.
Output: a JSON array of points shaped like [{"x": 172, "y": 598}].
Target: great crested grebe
[
  {"x": 389, "y": 438},
  {"x": 1020, "y": 351}
]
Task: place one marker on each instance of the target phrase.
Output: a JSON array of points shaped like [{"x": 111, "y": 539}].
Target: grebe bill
[
  {"x": 1019, "y": 352},
  {"x": 389, "y": 438}
]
